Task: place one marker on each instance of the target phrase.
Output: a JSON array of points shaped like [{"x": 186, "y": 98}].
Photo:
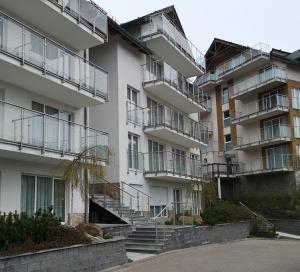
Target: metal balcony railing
[
  {"x": 247, "y": 56},
  {"x": 171, "y": 163},
  {"x": 220, "y": 169},
  {"x": 164, "y": 116},
  {"x": 28, "y": 46},
  {"x": 264, "y": 105},
  {"x": 160, "y": 24},
  {"x": 259, "y": 79},
  {"x": 272, "y": 162},
  {"x": 155, "y": 71},
  {"x": 29, "y": 128},
  {"x": 267, "y": 133},
  {"x": 87, "y": 12}
]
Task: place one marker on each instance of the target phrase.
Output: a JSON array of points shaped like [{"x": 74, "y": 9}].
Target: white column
[{"x": 219, "y": 188}]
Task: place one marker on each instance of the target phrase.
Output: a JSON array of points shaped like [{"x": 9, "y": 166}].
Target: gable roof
[{"x": 169, "y": 11}]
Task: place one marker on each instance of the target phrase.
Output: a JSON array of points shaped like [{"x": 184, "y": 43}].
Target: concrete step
[
  {"x": 144, "y": 247},
  {"x": 148, "y": 236},
  {"x": 145, "y": 240}
]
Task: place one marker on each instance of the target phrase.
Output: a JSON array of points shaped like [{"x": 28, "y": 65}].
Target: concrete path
[{"x": 250, "y": 255}]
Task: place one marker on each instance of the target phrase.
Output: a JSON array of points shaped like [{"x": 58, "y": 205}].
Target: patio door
[
  {"x": 277, "y": 157},
  {"x": 177, "y": 198}
]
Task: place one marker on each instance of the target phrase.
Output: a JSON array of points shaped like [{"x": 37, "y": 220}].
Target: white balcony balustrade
[
  {"x": 163, "y": 37},
  {"x": 268, "y": 106},
  {"x": 268, "y": 135},
  {"x": 170, "y": 125},
  {"x": 171, "y": 166},
  {"x": 37, "y": 63},
  {"x": 164, "y": 81},
  {"x": 79, "y": 24},
  {"x": 250, "y": 59},
  {"x": 37, "y": 133},
  {"x": 275, "y": 162},
  {"x": 269, "y": 77}
]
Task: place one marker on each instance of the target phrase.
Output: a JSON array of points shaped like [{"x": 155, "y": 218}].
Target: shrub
[
  {"x": 224, "y": 212},
  {"x": 107, "y": 236}
]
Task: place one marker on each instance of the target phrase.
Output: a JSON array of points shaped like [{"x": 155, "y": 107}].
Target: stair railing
[
  {"x": 118, "y": 189},
  {"x": 175, "y": 207},
  {"x": 138, "y": 192}
]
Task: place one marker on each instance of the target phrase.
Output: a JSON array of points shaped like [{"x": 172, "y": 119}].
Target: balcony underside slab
[
  {"x": 159, "y": 44},
  {"x": 50, "y": 19},
  {"x": 170, "y": 177},
  {"x": 169, "y": 94},
  {"x": 259, "y": 144}
]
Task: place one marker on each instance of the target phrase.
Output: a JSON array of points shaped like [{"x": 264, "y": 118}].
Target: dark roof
[
  {"x": 128, "y": 36},
  {"x": 169, "y": 11}
]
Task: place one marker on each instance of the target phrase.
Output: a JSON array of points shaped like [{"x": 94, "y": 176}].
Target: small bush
[
  {"x": 107, "y": 236},
  {"x": 224, "y": 212}
]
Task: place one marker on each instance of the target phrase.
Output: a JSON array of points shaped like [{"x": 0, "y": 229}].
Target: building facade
[
  {"x": 254, "y": 92},
  {"x": 46, "y": 83},
  {"x": 152, "y": 115}
]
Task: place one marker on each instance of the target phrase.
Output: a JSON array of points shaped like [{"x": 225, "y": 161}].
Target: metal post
[
  {"x": 130, "y": 213},
  {"x": 219, "y": 188},
  {"x": 23, "y": 45},
  {"x": 105, "y": 194},
  {"x": 22, "y": 129},
  {"x": 174, "y": 214},
  {"x": 44, "y": 134},
  {"x": 148, "y": 207},
  {"x": 138, "y": 201},
  {"x": 95, "y": 90}
]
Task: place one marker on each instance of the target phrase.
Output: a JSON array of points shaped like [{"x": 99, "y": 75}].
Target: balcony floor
[
  {"x": 160, "y": 45},
  {"x": 259, "y": 144},
  {"x": 245, "y": 68},
  {"x": 265, "y": 171},
  {"x": 169, "y": 176},
  {"x": 256, "y": 116},
  {"x": 31, "y": 78},
  {"x": 173, "y": 136},
  {"x": 208, "y": 86},
  {"x": 272, "y": 83},
  {"x": 169, "y": 94},
  {"x": 49, "y": 19}
]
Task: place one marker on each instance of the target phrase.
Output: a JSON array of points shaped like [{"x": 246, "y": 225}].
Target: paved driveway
[{"x": 255, "y": 255}]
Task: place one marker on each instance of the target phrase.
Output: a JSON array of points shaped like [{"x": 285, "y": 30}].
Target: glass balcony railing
[
  {"x": 212, "y": 169},
  {"x": 24, "y": 127},
  {"x": 155, "y": 71},
  {"x": 159, "y": 24},
  {"x": 167, "y": 117},
  {"x": 262, "y": 77},
  {"x": 28, "y": 46},
  {"x": 172, "y": 163},
  {"x": 272, "y": 162},
  {"x": 247, "y": 56},
  {"x": 267, "y": 133},
  {"x": 135, "y": 114},
  {"x": 264, "y": 105},
  {"x": 86, "y": 12},
  {"x": 207, "y": 77}
]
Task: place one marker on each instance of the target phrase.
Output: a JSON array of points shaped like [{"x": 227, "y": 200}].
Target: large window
[
  {"x": 296, "y": 98},
  {"x": 179, "y": 161},
  {"x": 225, "y": 95},
  {"x": 277, "y": 157},
  {"x": 155, "y": 112},
  {"x": 226, "y": 118},
  {"x": 297, "y": 126},
  {"x": 156, "y": 156},
  {"x": 39, "y": 192},
  {"x": 227, "y": 142},
  {"x": 133, "y": 151},
  {"x": 276, "y": 128}
]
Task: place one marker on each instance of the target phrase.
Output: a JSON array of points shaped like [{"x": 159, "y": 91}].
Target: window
[
  {"x": 297, "y": 126},
  {"x": 272, "y": 99},
  {"x": 156, "y": 112},
  {"x": 296, "y": 98},
  {"x": 297, "y": 154},
  {"x": 225, "y": 95},
  {"x": 179, "y": 161},
  {"x": 133, "y": 111},
  {"x": 132, "y": 96},
  {"x": 226, "y": 118},
  {"x": 195, "y": 165},
  {"x": 227, "y": 143},
  {"x": 38, "y": 192},
  {"x": 156, "y": 156},
  {"x": 277, "y": 157},
  {"x": 156, "y": 210},
  {"x": 276, "y": 128},
  {"x": 133, "y": 151}
]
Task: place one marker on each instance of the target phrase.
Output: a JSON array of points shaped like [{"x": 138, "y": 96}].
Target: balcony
[
  {"x": 166, "y": 41},
  {"x": 31, "y": 135},
  {"x": 269, "y": 164},
  {"x": 171, "y": 126},
  {"x": 264, "y": 108},
  {"x": 220, "y": 169},
  {"x": 171, "y": 166},
  {"x": 265, "y": 79},
  {"x": 247, "y": 61},
  {"x": 207, "y": 81},
  {"x": 161, "y": 80},
  {"x": 33, "y": 62},
  {"x": 135, "y": 114},
  {"x": 79, "y": 24},
  {"x": 269, "y": 135}
]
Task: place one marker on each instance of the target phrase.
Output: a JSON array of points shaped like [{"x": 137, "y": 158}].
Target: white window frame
[
  {"x": 227, "y": 96},
  {"x": 297, "y": 126},
  {"x": 132, "y": 136},
  {"x": 225, "y": 125},
  {"x": 296, "y": 98}
]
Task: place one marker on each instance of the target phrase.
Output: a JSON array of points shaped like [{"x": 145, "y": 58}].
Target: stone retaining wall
[
  {"x": 93, "y": 257},
  {"x": 195, "y": 236}
]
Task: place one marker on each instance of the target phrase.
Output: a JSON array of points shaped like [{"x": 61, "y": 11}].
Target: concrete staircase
[
  {"x": 144, "y": 240},
  {"x": 123, "y": 212}
]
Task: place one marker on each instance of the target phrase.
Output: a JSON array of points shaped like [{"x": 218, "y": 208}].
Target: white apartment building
[
  {"x": 46, "y": 82},
  {"x": 152, "y": 113}
]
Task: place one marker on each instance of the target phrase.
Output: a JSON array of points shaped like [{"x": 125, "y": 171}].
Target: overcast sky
[{"x": 276, "y": 23}]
